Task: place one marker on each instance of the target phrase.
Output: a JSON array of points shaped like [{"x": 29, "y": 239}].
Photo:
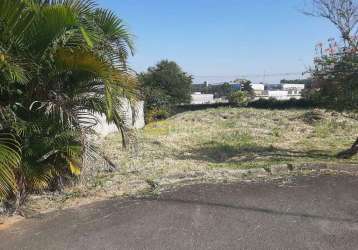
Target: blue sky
[{"x": 217, "y": 40}]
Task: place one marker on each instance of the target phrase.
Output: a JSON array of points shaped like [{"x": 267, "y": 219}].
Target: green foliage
[
  {"x": 246, "y": 87},
  {"x": 272, "y": 103},
  {"x": 239, "y": 98},
  {"x": 221, "y": 90},
  {"x": 297, "y": 81},
  {"x": 335, "y": 77},
  {"x": 164, "y": 86},
  {"x": 61, "y": 62},
  {"x": 9, "y": 161},
  {"x": 156, "y": 113},
  {"x": 336, "y": 80}
]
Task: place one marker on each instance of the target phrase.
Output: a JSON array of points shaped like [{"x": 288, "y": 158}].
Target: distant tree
[
  {"x": 203, "y": 88},
  {"x": 220, "y": 90},
  {"x": 164, "y": 86},
  {"x": 297, "y": 81},
  {"x": 239, "y": 98},
  {"x": 226, "y": 89},
  {"x": 247, "y": 87}
]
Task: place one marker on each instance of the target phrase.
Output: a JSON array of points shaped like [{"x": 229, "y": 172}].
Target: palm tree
[{"x": 61, "y": 62}]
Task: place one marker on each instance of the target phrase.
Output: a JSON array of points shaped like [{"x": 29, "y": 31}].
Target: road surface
[{"x": 307, "y": 213}]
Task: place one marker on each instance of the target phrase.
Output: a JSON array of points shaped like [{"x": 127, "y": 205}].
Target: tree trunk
[
  {"x": 349, "y": 153},
  {"x": 21, "y": 195}
]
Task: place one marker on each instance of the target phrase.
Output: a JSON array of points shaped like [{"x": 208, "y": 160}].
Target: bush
[
  {"x": 239, "y": 98},
  {"x": 61, "y": 62},
  {"x": 282, "y": 104},
  {"x": 164, "y": 86},
  {"x": 156, "y": 114}
]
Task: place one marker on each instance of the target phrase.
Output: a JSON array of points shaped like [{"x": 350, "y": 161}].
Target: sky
[{"x": 220, "y": 40}]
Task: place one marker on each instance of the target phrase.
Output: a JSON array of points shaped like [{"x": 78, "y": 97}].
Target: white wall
[
  {"x": 132, "y": 115},
  {"x": 198, "y": 98},
  {"x": 277, "y": 93},
  {"x": 281, "y": 95},
  {"x": 287, "y": 86},
  {"x": 103, "y": 128},
  {"x": 138, "y": 115},
  {"x": 257, "y": 86}
]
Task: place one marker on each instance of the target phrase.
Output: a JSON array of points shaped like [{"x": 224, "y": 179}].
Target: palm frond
[
  {"x": 15, "y": 19},
  {"x": 9, "y": 161},
  {"x": 62, "y": 62},
  {"x": 118, "y": 39}
]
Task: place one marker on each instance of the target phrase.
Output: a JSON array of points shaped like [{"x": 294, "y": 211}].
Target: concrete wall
[
  {"x": 132, "y": 115},
  {"x": 103, "y": 128},
  {"x": 138, "y": 115},
  {"x": 277, "y": 93},
  {"x": 258, "y": 86},
  {"x": 199, "y": 98},
  {"x": 287, "y": 86}
]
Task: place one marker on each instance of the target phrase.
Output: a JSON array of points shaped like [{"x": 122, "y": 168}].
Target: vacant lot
[
  {"x": 201, "y": 145},
  {"x": 235, "y": 139}
]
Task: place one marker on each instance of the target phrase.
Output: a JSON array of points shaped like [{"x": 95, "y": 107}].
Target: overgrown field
[
  {"x": 210, "y": 141},
  {"x": 236, "y": 139}
]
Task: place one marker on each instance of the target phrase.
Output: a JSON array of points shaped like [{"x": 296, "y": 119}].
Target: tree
[
  {"x": 61, "y": 62},
  {"x": 336, "y": 83},
  {"x": 165, "y": 85},
  {"x": 239, "y": 98},
  {"x": 335, "y": 75},
  {"x": 341, "y": 13},
  {"x": 246, "y": 87}
]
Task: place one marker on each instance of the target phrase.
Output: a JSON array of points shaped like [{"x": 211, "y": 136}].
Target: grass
[
  {"x": 192, "y": 143},
  {"x": 235, "y": 138}
]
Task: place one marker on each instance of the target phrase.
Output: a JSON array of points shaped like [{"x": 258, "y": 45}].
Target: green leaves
[
  {"x": 9, "y": 161},
  {"x": 61, "y": 62},
  {"x": 86, "y": 37}
]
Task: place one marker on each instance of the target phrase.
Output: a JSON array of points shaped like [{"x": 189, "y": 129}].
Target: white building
[
  {"x": 199, "y": 98},
  {"x": 287, "y": 86},
  {"x": 278, "y": 94},
  {"x": 258, "y": 86},
  {"x": 293, "y": 89}
]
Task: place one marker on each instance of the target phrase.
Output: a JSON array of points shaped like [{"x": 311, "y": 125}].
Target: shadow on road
[{"x": 260, "y": 210}]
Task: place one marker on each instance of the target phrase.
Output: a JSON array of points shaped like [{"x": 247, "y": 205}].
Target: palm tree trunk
[
  {"x": 349, "y": 153},
  {"x": 21, "y": 195}
]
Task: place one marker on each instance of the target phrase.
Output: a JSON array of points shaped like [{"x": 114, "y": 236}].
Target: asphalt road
[{"x": 309, "y": 213}]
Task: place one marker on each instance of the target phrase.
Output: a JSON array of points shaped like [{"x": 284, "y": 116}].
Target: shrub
[
  {"x": 157, "y": 113},
  {"x": 282, "y": 104},
  {"x": 61, "y": 62},
  {"x": 164, "y": 86},
  {"x": 239, "y": 98}
]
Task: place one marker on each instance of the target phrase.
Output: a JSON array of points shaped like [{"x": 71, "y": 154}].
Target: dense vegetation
[
  {"x": 218, "y": 90},
  {"x": 335, "y": 77},
  {"x": 335, "y": 73},
  {"x": 61, "y": 62},
  {"x": 239, "y": 98},
  {"x": 164, "y": 86}
]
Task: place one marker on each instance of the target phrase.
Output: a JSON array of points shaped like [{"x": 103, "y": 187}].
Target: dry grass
[
  {"x": 233, "y": 138},
  {"x": 200, "y": 144}
]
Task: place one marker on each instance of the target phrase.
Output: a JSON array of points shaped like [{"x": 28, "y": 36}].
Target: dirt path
[{"x": 307, "y": 213}]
